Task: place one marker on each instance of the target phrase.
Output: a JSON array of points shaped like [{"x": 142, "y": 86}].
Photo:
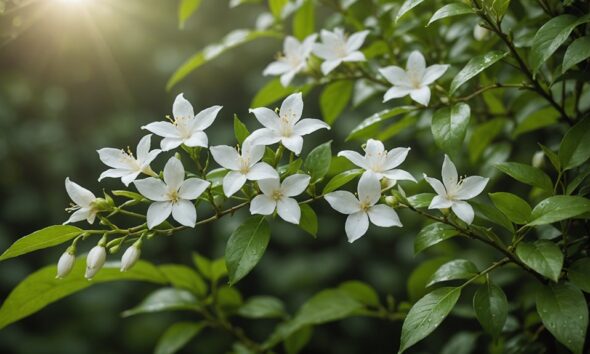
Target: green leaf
[
  {"x": 543, "y": 256},
  {"x": 184, "y": 277},
  {"x": 551, "y": 36},
  {"x": 365, "y": 129},
  {"x": 454, "y": 270},
  {"x": 499, "y": 7},
  {"x": 309, "y": 220},
  {"x": 341, "y": 179},
  {"x": 304, "y": 20},
  {"x": 47, "y": 237},
  {"x": 276, "y": 7},
  {"x": 334, "y": 99},
  {"x": 245, "y": 247},
  {"x": 274, "y": 91},
  {"x": 482, "y": 136},
  {"x": 298, "y": 340},
  {"x": 229, "y": 299},
  {"x": 557, "y": 208},
  {"x": 526, "y": 174},
  {"x": 577, "y": 52},
  {"x": 42, "y": 288},
  {"x": 539, "y": 119},
  {"x": 203, "y": 264},
  {"x": 433, "y": 234},
  {"x": 491, "y": 308},
  {"x": 453, "y": 9},
  {"x": 564, "y": 313},
  {"x": 231, "y": 40},
  {"x": 475, "y": 66},
  {"x": 574, "y": 149},
  {"x": 317, "y": 162},
  {"x": 218, "y": 269},
  {"x": 449, "y": 126},
  {"x": 262, "y": 307},
  {"x": 361, "y": 292},
  {"x": 427, "y": 314},
  {"x": 406, "y": 7},
  {"x": 165, "y": 299},
  {"x": 488, "y": 212},
  {"x": 421, "y": 276},
  {"x": 552, "y": 156},
  {"x": 240, "y": 130},
  {"x": 578, "y": 274},
  {"x": 177, "y": 336},
  {"x": 186, "y": 9},
  {"x": 421, "y": 200},
  {"x": 514, "y": 207}
]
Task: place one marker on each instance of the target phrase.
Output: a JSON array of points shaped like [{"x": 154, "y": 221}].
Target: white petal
[
  {"x": 421, "y": 95},
  {"x": 383, "y": 215},
  {"x": 449, "y": 174},
  {"x": 263, "y": 205},
  {"x": 396, "y": 92},
  {"x": 205, "y": 118},
  {"x": 369, "y": 188},
  {"x": 323, "y": 51},
  {"x": 433, "y": 72},
  {"x": 233, "y": 182},
  {"x": 293, "y": 143},
  {"x": 343, "y": 202},
  {"x": 330, "y": 65},
  {"x": 354, "y": 57},
  {"x": 291, "y": 46},
  {"x": 356, "y": 225},
  {"x": 295, "y": 185},
  {"x": 182, "y": 107},
  {"x": 399, "y": 175},
  {"x": 292, "y": 107},
  {"x": 79, "y": 215},
  {"x": 143, "y": 147},
  {"x": 152, "y": 188},
  {"x": 192, "y": 188},
  {"x": 128, "y": 178},
  {"x": 437, "y": 185},
  {"x": 287, "y": 77},
  {"x": 269, "y": 186},
  {"x": 265, "y": 136},
  {"x": 267, "y": 117},
  {"x": 288, "y": 209},
  {"x": 115, "y": 158},
  {"x": 276, "y": 68},
  {"x": 81, "y": 196},
  {"x": 197, "y": 138},
  {"x": 309, "y": 125},
  {"x": 416, "y": 65},
  {"x": 173, "y": 173},
  {"x": 395, "y": 75},
  {"x": 184, "y": 212},
  {"x": 150, "y": 157},
  {"x": 168, "y": 144},
  {"x": 226, "y": 156},
  {"x": 355, "y": 158},
  {"x": 395, "y": 157},
  {"x": 374, "y": 147},
  {"x": 440, "y": 202},
  {"x": 253, "y": 151},
  {"x": 113, "y": 173},
  {"x": 261, "y": 170},
  {"x": 163, "y": 129},
  {"x": 464, "y": 211},
  {"x": 157, "y": 213},
  {"x": 356, "y": 40},
  {"x": 471, "y": 187}
]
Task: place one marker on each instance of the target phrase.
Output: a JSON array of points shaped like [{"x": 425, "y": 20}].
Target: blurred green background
[{"x": 78, "y": 77}]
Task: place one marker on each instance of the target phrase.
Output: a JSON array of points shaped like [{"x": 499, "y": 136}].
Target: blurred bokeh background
[{"x": 78, "y": 75}]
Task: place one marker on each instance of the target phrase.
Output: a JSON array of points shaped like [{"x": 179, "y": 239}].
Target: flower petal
[
  {"x": 356, "y": 40},
  {"x": 79, "y": 195},
  {"x": 369, "y": 188},
  {"x": 399, "y": 175},
  {"x": 173, "y": 173},
  {"x": 233, "y": 182},
  {"x": 152, "y": 188},
  {"x": 261, "y": 170},
  {"x": 395, "y": 75},
  {"x": 192, "y": 188},
  {"x": 343, "y": 202},
  {"x": 374, "y": 147},
  {"x": 295, "y": 184},
  {"x": 254, "y": 152},
  {"x": 433, "y": 72},
  {"x": 323, "y": 51},
  {"x": 396, "y": 92},
  {"x": 269, "y": 186},
  {"x": 291, "y": 46},
  {"x": 395, "y": 157},
  {"x": 226, "y": 156},
  {"x": 354, "y": 57},
  {"x": 79, "y": 215},
  {"x": 437, "y": 185},
  {"x": 287, "y": 77},
  {"x": 440, "y": 202},
  {"x": 182, "y": 107},
  {"x": 184, "y": 212},
  {"x": 421, "y": 95},
  {"x": 128, "y": 178},
  {"x": 168, "y": 144},
  {"x": 113, "y": 173},
  {"x": 197, "y": 138},
  {"x": 329, "y": 65},
  {"x": 416, "y": 65},
  {"x": 449, "y": 175},
  {"x": 263, "y": 205},
  {"x": 471, "y": 187},
  {"x": 267, "y": 117},
  {"x": 157, "y": 213},
  {"x": 292, "y": 107},
  {"x": 464, "y": 211},
  {"x": 355, "y": 158},
  {"x": 276, "y": 68},
  {"x": 356, "y": 225},
  {"x": 289, "y": 210},
  {"x": 143, "y": 147},
  {"x": 383, "y": 215},
  {"x": 293, "y": 143},
  {"x": 115, "y": 158},
  {"x": 163, "y": 129},
  {"x": 205, "y": 118},
  {"x": 309, "y": 125},
  {"x": 265, "y": 136}
]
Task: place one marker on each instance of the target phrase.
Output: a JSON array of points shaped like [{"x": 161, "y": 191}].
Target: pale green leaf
[
  {"x": 453, "y": 9},
  {"x": 47, "y": 237}
]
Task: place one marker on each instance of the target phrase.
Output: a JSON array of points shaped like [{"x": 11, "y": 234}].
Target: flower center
[
  {"x": 244, "y": 165},
  {"x": 277, "y": 195},
  {"x": 173, "y": 196},
  {"x": 183, "y": 126},
  {"x": 365, "y": 206},
  {"x": 287, "y": 120}
]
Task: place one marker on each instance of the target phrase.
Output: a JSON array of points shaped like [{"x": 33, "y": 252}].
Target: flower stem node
[
  {"x": 95, "y": 260},
  {"x": 66, "y": 263}
]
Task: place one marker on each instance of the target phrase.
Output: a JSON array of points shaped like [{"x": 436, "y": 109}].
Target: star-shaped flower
[
  {"x": 414, "y": 80},
  {"x": 364, "y": 208},
  {"x": 186, "y": 128},
  {"x": 285, "y": 127},
  {"x": 379, "y": 161},
  {"x": 244, "y": 166},
  {"x": 452, "y": 191},
  {"x": 85, "y": 203},
  {"x": 336, "y": 48},
  {"x": 277, "y": 195},
  {"x": 171, "y": 196},
  {"x": 125, "y": 165},
  {"x": 294, "y": 60}
]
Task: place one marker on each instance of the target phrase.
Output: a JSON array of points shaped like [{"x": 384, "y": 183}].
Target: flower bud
[
  {"x": 480, "y": 33},
  {"x": 538, "y": 159},
  {"x": 101, "y": 204},
  {"x": 95, "y": 260},
  {"x": 130, "y": 257},
  {"x": 65, "y": 263}
]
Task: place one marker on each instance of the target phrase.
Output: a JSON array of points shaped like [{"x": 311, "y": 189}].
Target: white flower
[
  {"x": 414, "y": 80},
  {"x": 65, "y": 263},
  {"x": 294, "y": 60},
  {"x": 244, "y": 166},
  {"x": 538, "y": 159},
  {"x": 124, "y": 165},
  {"x": 276, "y": 195},
  {"x": 187, "y": 128},
  {"x": 480, "y": 33},
  {"x": 453, "y": 192},
  {"x": 172, "y": 196},
  {"x": 85, "y": 207},
  {"x": 364, "y": 208},
  {"x": 130, "y": 257},
  {"x": 95, "y": 260},
  {"x": 337, "y": 48},
  {"x": 286, "y": 126},
  {"x": 379, "y": 161}
]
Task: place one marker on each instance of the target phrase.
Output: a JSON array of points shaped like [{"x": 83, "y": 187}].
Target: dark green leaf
[
  {"x": 165, "y": 299},
  {"x": 421, "y": 276},
  {"x": 274, "y": 91},
  {"x": 298, "y": 340},
  {"x": 309, "y": 220},
  {"x": 526, "y": 174},
  {"x": 47, "y": 237},
  {"x": 577, "y": 52},
  {"x": 491, "y": 308},
  {"x": 262, "y": 307},
  {"x": 482, "y": 136},
  {"x": 453, "y": 9},
  {"x": 488, "y": 212},
  {"x": 542, "y": 256},
  {"x": 539, "y": 119},
  {"x": 449, "y": 126},
  {"x": 317, "y": 163},
  {"x": 361, "y": 292},
  {"x": 334, "y": 99},
  {"x": 514, "y": 207},
  {"x": 557, "y": 208},
  {"x": 433, "y": 234},
  {"x": 454, "y": 270},
  {"x": 245, "y": 247},
  {"x": 578, "y": 274},
  {"x": 475, "y": 66},
  {"x": 341, "y": 179},
  {"x": 363, "y": 130},
  {"x": 184, "y": 277},
  {"x": 240, "y": 130},
  {"x": 177, "y": 336},
  {"x": 574, "y": 149}
]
